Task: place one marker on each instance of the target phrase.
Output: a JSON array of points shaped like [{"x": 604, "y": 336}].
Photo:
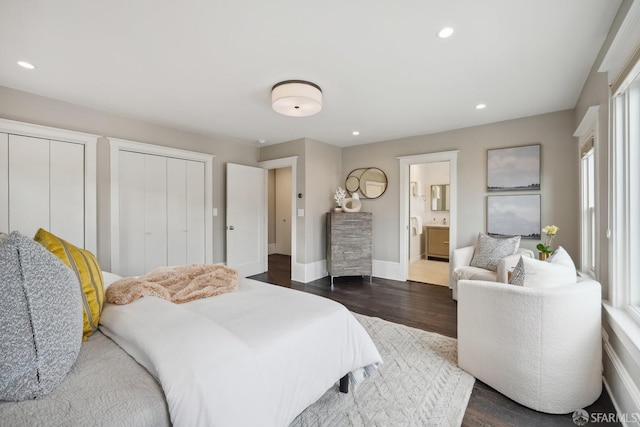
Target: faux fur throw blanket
[{"x": 176, "y": 284}]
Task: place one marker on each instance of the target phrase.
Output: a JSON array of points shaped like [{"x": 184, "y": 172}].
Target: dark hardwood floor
[{"x": 428, "y": 307}]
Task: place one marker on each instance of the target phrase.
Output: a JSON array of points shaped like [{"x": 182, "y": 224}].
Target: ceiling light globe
[{"x": 296, "y": 98}]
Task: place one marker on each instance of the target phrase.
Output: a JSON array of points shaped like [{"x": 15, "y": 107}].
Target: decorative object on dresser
[
  {"x": 437, "y": 242},
  {"x": 371, "y": 182},
  {"x": 339, "y": 197},
  {"x": 349, "y": 244},
  {"x": 352, "y": 204}
]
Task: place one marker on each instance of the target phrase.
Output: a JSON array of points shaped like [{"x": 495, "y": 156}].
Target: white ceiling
[{"x": 208, "y": 65}]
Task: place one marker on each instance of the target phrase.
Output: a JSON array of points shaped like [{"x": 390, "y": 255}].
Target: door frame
[
  {"x": 405, "y": 163},
  {"x": 297, "y": 273}
]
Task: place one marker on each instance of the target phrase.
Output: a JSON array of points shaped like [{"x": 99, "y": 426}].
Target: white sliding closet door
[
  {"x": 132, "y": 215},
  {"x": 66, "y": 172},
  {"x": 48, "y": 180},
  {"x": 28, "y": 184},
  {"x": 155, "y": 209},
  {"x": 176, "y": 211},
  {"x": 46, "y": 187},
  {"x": 196, "y": 227},
  {"x": 162, "y": 212},
  {"x": 164, "y": 207}
]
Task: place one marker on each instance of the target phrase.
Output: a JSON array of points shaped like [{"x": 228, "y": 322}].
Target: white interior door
[{"x": 246, "y": 219}]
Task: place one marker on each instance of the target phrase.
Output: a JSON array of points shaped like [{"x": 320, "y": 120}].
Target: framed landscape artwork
[
  {"x": 513, "y": 169},
  {"x": 517, "y": 215}
]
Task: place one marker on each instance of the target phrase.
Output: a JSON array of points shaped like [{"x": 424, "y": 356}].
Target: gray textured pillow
[
  {"x": 517, "y": 276},
  {"x": 40, "y": 319},
  {"x": 490, "y": 250}
]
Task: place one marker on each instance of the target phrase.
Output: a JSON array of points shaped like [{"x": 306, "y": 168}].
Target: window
[
  {"x": 625, "y": 268},
  {"x": 588, "y": 200},
  {"x": 587, "y": 133}
]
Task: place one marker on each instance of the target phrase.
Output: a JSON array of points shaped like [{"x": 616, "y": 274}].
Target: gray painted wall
[
  {"x": 318, "y": 177},
  {"x": 559, "y": 177},
  {"x": 30, "y": 108}
]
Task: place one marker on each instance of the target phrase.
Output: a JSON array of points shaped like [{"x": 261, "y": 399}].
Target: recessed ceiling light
[
  {"x": 262, "y": 141},
  {"x": 480, "y": 106},
  {"x": 355, "y": 133},
  {"x": 27, "y": 65},
  {"x": 445, "y": 32}
]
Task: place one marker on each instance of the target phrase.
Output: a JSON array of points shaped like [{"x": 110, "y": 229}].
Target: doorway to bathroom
[{"x": 429, "y": 222}]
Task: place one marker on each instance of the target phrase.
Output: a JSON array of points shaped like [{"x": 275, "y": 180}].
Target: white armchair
[
  {"x": 541, "y": 347},
  {"x": 460, "y": 267}
]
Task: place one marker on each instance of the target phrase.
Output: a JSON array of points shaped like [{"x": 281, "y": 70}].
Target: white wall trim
[
  {"x": 623, "y": 47},
  {"x": 298, "y": 273},
  {"x": 389, "y": 270},
  {"x": 306, "y": 273},
  {"x": 405, "y": 163},
  {"x": 116, "y": 145},
  {"x": 46, "y": 132},
  {"x": 623, "y": 391}
]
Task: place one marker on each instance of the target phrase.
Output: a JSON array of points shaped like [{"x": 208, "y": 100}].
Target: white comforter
[{"x": 255, "y": 357}]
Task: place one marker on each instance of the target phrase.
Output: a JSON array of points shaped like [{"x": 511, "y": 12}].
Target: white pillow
[
  {"x": 109, "y": 278},
  {"x": 561, "y": 257},
  {"x": 533, "y": 273}
]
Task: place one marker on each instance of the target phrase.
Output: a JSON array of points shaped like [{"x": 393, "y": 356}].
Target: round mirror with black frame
[{"x": 371, "y": 183}]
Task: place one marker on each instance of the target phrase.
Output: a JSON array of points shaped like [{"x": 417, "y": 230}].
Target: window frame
[
  {"x": 588, "y": 134},
  {"x": 625, "y": 199}
]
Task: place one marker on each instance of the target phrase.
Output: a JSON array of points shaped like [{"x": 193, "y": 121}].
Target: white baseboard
[
  {"x": 622, "y": 389},
  {"x": 387, "y": 270},
  {"x": 415, "y": 259},
  {"x": 306, "y": 273}
]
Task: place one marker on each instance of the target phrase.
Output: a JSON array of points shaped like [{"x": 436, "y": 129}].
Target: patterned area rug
[{"x": 419, "y": 384}]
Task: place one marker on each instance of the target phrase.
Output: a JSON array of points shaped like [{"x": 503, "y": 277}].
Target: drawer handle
[{"x": 446, "y": 242}]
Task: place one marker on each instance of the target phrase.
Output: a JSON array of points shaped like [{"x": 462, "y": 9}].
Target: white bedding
[{"x": 255, "y": 357}]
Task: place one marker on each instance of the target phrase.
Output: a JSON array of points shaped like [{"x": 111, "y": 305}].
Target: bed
[{"x": 256, "y": 356}]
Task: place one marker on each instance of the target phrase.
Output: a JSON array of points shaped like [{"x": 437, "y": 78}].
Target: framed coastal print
[
  {"x": 517, "y": 215},
  {"x": 514, "y": 169}
]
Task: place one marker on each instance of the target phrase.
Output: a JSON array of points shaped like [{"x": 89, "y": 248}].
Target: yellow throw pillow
[{"x": 87, "y": 269}]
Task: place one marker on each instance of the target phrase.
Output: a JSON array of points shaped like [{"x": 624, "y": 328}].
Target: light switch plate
[
  {"x": 300, "y": 212},
  {"x": 215, "y": 211}
]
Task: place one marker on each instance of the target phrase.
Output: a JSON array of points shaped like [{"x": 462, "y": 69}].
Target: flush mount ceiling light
[{"x": 296, "y": 98}]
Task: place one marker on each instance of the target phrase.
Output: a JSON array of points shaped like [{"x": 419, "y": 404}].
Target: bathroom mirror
[
  {"x": 371, "y": 183},
  {"x": 440, "y": 197}
]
